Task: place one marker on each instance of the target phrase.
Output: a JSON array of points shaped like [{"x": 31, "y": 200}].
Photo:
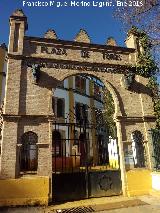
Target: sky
[{"x": 66, "y": 21}]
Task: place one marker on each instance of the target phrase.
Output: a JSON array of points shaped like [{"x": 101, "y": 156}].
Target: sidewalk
[
  {"x": 98, "y": 204},
  {"x": 120, "y": 204}
]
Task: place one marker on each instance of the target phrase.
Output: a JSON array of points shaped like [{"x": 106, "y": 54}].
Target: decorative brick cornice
[
  {"x": 12, "y": 117},
  {"x": 80, "y": 45},
  {"x": 73, "y": 65}
]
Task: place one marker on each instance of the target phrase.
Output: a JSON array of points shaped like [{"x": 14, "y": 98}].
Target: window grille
[{"x": 29, "y": 152}]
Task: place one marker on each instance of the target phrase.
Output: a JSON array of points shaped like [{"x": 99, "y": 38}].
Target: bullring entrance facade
[{"x": 53, "y": 158}]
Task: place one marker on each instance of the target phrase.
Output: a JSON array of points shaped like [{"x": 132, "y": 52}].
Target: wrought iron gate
[{"x": 84, "y": 163}]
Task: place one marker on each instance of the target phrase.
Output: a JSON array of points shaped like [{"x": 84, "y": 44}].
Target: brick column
[
  {"x": 9, "y": 149},
  {"x": 121, "y": 156}
]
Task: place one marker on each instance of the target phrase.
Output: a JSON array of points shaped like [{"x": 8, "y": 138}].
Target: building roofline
[{"x": 80, "y": 44}]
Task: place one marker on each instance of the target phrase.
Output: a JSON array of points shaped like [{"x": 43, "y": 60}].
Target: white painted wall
[
  {"x": 156, "y": 181},
  {"x": 113, "y": 149},
  {"x": 113, "y": 152},
  {"x": 65, "y": 83}
]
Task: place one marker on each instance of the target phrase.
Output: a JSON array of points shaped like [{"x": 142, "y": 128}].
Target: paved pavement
[
  {"x": 138, "y": 209},
  {"x": 143, "y": 204}
]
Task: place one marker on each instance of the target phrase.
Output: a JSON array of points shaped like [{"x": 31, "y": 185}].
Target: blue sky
[{"x": 66, "y": 21}]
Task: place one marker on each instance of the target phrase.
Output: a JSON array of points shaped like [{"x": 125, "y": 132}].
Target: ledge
[
  {"x": 77, "y": 45},
  {"x": 18, "y": 117},
  {"x": 146, "y": 118},
  {"x": 28, "y": 173}
]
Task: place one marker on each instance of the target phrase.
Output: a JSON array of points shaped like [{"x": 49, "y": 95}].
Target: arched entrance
[
  {"x": 87, "y": 153},
  {"x": 38, "y": 66}
]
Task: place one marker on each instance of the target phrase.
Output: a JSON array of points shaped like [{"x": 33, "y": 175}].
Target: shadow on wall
[
  {"x": 139, "y": 88},
  {"x": 45, "y": 81},
  {"x": 121, "y": 105},
  {"x": 48, "y": 81}
]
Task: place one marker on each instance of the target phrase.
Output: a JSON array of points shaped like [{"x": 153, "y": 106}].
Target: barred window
[
  {"x": 80, "y": 84},
  {"x": 29, "y": 152},
  {"x": 58, "y": 107}
]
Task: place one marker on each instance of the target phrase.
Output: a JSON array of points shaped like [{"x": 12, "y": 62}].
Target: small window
[
  {"x": 56, "y": 144},
  {"x": 58, "y": 107},
  {"x": 81, "y": 113},
  {"x": 16, "y": 37},
  {"x": 80, "y": 84},
  {"x": 29, "y": 152}
]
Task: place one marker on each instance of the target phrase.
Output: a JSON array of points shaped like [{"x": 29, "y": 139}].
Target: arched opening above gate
[{"x": 84, "y": 117}]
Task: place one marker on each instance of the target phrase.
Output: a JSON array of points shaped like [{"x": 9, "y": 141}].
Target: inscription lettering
[
  {"x": 82, "y": 67},
  {"x": 85, "y": 54},
  {"x": 111, "y": 56},
  {"x": 53, "y": 50}
]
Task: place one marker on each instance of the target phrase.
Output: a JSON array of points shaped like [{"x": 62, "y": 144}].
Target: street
[{"x": 142, "y": 204}]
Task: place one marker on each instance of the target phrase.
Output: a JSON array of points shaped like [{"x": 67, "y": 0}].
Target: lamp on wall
[
  {"x": 35, "y": 71},
  {"x": 128, "y": 80}
]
